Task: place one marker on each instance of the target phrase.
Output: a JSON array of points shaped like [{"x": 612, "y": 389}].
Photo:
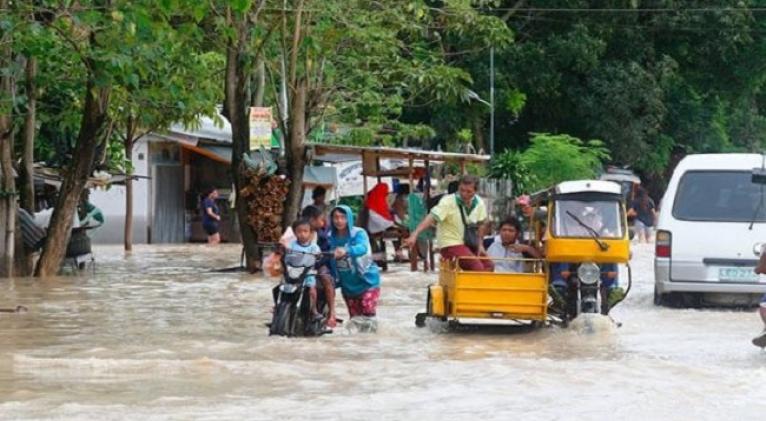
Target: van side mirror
[{"x": 758, "y": 176}]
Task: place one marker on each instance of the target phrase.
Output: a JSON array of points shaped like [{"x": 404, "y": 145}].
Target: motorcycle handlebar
[{"x": 320, "y": 254}]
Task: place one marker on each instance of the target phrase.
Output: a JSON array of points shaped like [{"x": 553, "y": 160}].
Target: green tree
[
  {"x": 7, "y": 186},
  {"x": 331, "y": 68},
  {"x": 100, "y": 56},
  {"x": 655, "y": 80},
  {"x": 175, "y": 83},
  {"x": 549, "y": 160}
]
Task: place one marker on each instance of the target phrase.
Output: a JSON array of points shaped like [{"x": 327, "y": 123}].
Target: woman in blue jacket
[{"x": 354, "y": 268}]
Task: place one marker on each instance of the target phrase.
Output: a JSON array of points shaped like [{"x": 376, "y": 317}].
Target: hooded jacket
[{"x": 358, "y": 273}]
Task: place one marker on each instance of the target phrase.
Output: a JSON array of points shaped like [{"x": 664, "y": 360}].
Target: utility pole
[{"x": 491, "y": 100}]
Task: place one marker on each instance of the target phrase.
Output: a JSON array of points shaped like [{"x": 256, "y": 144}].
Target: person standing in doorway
[{"x": 211, "y": 216}]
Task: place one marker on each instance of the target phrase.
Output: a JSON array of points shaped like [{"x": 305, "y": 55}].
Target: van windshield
[{"x": 718, "y": 196}]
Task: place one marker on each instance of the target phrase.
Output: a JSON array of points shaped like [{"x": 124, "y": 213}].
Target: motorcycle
[
  {"x": 582, "y": 227},
  {"x": 586, "y": 237},
  {"x": 292, "y": 302},
  {"x": 585, "y": 290}
]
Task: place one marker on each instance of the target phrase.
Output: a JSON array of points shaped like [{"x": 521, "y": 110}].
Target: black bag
[{"x": 470, "y": 232}]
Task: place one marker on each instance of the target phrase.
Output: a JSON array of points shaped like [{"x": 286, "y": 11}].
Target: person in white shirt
[{"x": 507, "y": 249}]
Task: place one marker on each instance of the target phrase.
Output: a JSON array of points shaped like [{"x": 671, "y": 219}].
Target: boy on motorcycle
[
  {"x": 303, "y": 244},
  {"x": 318, "y": 221},
  {"x": 358, "y": 275}
]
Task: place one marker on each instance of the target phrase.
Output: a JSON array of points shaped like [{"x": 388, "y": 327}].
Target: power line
[
  {"x": 659, "y": 27},
  {"x": 628, "y": 10}
]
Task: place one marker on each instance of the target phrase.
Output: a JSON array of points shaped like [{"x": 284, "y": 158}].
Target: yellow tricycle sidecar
[{"x": 463, "y": 295}]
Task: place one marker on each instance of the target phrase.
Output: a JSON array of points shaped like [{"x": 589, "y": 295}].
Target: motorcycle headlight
[
  {"x": 589, "y": 273},
  {"x": 294, "y": 272}
]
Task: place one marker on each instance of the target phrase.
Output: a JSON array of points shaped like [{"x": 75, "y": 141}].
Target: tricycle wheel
[{"x": 420, "y": 319}]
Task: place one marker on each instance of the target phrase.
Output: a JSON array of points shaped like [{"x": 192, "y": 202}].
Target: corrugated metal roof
[{"x": 344, "y": 153}]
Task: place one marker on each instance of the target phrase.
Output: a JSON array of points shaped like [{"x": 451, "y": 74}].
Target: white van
[{"x": 711, "y": 227}]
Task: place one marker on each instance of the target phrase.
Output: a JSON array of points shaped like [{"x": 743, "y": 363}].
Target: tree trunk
[
  {"x": 94, "y": 117},
  {"x": 7, "y": 182},
  {"x": 130, "y": 135},
  {"x": 27, "y": 170},
  {"x": 128, "y": 211},
  {"x": 259, "y": 88},
  {"x": 295, "y": 150},
  {"x": 236, "y": 110},
  {"x": 128, "y": 234},
  {"x": 7, "y": 200}
]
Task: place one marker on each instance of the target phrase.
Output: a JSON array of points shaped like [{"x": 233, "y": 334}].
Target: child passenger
[
  {"x": 506, "y": 246},
  {"x": 303, "y": 244}
]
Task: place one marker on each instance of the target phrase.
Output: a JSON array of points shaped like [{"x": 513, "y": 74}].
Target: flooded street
[{"x": 157, "y": 335}]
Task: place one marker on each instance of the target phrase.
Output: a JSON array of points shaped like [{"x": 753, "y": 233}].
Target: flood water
[{"x": 156, "y": 335}]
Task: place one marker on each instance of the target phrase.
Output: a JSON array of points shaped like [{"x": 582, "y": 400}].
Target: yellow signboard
[{"x": 260, "y": 127}]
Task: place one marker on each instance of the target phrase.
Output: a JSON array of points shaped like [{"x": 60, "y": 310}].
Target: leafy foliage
[
  {"x": 550, "y": 159},
  {"x": 509, "y": 165},
  {"x": 654, "y": 85}
]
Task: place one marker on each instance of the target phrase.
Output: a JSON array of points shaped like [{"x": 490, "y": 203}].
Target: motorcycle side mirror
[{"x": 758, "y": 176}]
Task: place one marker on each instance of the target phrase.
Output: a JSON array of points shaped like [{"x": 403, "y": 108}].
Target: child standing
[
  {"x": 358, "y": 275},
  {"x": 303, "y": 244}
]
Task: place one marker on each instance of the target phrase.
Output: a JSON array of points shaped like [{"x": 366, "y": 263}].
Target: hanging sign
[{"x": 260, "y": 127}]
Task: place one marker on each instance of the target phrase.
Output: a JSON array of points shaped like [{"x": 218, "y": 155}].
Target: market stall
[{"x": 386, "y": 164}]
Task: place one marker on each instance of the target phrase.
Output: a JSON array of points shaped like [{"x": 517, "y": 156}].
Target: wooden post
[
  {"x": 462, "y": 167},
  {"x": 427, "y": 262},
  {"x": 377, "y": 168}
]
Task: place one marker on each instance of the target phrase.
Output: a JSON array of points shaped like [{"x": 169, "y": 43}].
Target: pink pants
[
  {"x": 476, "y": 265},
  {"x": 366, "y": 304}
]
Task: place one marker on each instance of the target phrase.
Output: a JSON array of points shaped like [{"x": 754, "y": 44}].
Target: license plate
[{"x": 742, "y": 274}]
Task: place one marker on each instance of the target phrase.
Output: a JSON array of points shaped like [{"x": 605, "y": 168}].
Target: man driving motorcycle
[{"x": 586, "y": 219}]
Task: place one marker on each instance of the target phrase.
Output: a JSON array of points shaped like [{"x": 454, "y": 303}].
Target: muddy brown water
[{"x": 157, "y": 335}]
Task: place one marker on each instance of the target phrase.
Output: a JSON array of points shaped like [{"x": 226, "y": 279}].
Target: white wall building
[
  {"x": 173, "y": 169},
  {"x": 112, "y": 203}
]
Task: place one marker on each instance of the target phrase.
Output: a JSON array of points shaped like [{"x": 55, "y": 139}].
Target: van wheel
[
  {"x": 690, "y": 300},
  {"x": 663, "y": 300}
]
